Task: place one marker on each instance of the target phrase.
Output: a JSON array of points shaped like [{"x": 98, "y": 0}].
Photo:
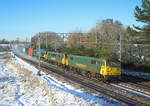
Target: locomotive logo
[{"x": 81, "y": 65}]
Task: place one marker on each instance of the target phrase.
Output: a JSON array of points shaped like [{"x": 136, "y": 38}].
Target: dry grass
[{"x": 36, "y": 81}]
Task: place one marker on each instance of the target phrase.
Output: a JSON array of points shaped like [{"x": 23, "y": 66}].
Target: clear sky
[{"x": 24, "y": 18}]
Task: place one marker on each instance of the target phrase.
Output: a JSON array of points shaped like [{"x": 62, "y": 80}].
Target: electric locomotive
[{"x": 89, "y": 66}]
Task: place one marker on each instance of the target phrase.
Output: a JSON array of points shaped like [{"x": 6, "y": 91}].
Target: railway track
[
  {"x": 88, "y": 84},
  {"x": 121, "y": 86},
  {"x": 134, "y": 82},
  {"x": 134, "y": 93},
  {"x": 129, "y": 91}
]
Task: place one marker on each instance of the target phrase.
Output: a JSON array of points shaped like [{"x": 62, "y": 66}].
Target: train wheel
[
  {"x": 93, "y": 75},
  {"x": 88, "y": 75},
  {"x": 78, "y": 71},
  {"x": 105, "y": 79},
  {"x": 68, "y": 68},
  {"x": 65, "y": 70},
  {"x": 99, "y": 77},
  {"x": 83, "y": 73}
]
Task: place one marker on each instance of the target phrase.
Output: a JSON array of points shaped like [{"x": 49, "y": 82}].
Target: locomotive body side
[
  {"x": 95, "y": 66},
  {"x": 86, "y": 63},
  {"x": 53, "y": 56}
]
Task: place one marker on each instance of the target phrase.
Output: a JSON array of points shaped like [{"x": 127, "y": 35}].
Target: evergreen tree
[{"x": 143, "y": 15}]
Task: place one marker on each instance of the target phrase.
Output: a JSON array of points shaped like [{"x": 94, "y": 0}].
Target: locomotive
[{"x": 90, "y": 67}]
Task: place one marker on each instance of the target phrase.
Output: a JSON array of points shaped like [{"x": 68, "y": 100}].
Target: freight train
[{"x": 100, "y": 69}]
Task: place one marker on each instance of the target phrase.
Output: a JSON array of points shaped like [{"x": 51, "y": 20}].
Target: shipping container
[
  {"x": 35, "y": 52},
  {"x": 31, "y": 51},
  {"x": 25, "y": 50}
]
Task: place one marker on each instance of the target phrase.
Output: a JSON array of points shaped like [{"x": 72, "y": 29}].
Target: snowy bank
[{"x": 16, "y": 89}]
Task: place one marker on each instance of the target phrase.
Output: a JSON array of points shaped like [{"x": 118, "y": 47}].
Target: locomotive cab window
[
  {"x": 108, "y": 63},
  {"x": 93, "y": 62},
  {"x": 113, "y": 64}
]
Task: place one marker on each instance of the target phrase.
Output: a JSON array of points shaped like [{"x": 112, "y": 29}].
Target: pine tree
[{"x": 143, "y": 15}]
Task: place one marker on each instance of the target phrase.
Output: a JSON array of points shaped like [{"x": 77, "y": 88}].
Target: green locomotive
[{"x": 92, "y": 67}]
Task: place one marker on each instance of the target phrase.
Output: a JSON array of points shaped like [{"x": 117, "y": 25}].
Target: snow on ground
[
  {"x": 18, "y": 90},
  {"x": 59, "y": 93}
]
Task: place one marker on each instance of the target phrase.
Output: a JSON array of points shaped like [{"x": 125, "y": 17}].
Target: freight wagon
[{"x": 25, "y": 50}]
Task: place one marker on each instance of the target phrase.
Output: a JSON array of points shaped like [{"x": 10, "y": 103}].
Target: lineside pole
[
  {"x": 39, "y": 54},
  {"x": 120, "y": 49},
  {"x": 46, "y": 40},
  {"x": 63, "y": 40}
]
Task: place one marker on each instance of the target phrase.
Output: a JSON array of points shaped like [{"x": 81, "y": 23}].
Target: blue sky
[{"x": 24, "y": 18}]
